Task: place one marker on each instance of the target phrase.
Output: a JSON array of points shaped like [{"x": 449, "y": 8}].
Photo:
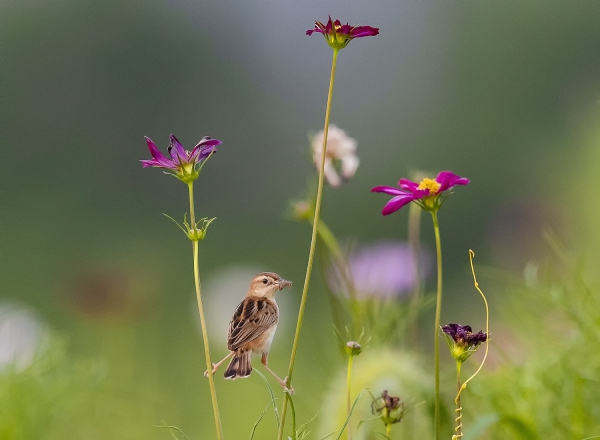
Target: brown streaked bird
[{"x": 253, "y": 326}]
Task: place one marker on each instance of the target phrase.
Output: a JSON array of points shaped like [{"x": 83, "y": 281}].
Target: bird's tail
[{"x": 240, "y": 366}]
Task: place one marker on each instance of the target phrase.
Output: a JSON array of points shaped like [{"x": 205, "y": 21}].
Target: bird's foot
[
  {"x": 214, "y": 369},
  {"x": 287, "y": 389}
]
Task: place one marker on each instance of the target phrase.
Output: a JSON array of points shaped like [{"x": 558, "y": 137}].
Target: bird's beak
[{"x": 284, "y": 283}]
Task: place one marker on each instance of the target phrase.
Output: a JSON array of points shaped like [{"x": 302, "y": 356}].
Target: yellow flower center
[{"x": 429, "y": 184}]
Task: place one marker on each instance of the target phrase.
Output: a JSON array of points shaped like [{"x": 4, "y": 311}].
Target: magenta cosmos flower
[
  {"x": 427, "y": 194},
  {"x": 338, "y": 35},
  {"x": 186, "y": 165}
]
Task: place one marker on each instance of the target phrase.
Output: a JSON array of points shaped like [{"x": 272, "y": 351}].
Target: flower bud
[{"x": 353, "y": 348}]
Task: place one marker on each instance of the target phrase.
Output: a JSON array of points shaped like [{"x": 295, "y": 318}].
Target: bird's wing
[{"x": 251, "y": 319}]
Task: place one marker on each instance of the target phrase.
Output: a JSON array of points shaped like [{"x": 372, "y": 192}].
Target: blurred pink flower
[{"x": 341, "y": 153}]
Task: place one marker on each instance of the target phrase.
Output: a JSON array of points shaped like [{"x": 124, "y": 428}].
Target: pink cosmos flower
[
  {"x": 184, "y": 164},
  {"x": 427, "y": 193},
  {"x": 341, "y": 153},
  {"x": 338, "y": 36}
]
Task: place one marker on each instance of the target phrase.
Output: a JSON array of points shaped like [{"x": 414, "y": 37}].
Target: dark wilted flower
[
  {"x": 341, "y": 150},
  {"x": 462, "y": 341},
  {"x": 338, "y": 36},
  {"x": 186, "y": 165},
  {"x": 427, "y": 193},
  {"x": 391, "y": 409}
]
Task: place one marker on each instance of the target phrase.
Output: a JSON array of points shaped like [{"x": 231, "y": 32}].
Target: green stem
[
  {"x": 311, "y": 252},
  {"x": 211, "y": 381},
  {"x": 438, "y": 309},
  {"x": 388, "y": 430},
  {"x": 332, "y": 245},
  {"x": 348, "y": 399},
  {"x": 458, "y": 410}
]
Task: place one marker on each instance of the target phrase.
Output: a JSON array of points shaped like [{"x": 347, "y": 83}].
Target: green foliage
[
  {"x": 45, "y": 399},
  {"x": 546, "y": 383}
]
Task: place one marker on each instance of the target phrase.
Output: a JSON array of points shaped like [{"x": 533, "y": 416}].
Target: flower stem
[
  {"x": 348, "y": 399},
  {"x": 388, "y": 430},
  {"x": 211, "y": 381},
  {"x": 458, "y": 410},
  {"x": 311, "y": 252},
  {"x": 438, "y": 309}
]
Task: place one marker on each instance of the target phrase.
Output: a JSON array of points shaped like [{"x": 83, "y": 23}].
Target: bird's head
[{"x": 267, "y": 284}]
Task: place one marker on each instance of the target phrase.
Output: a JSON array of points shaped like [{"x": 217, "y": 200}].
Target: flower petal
[
  {"x": 203, "y": 149},
  {"x": 408, "y": 185},
  {"x": 176, "y": 150},
  {"x": 364, "y": 31},
  {"x": 206, "y": 151},
  {"x": 158, "y": 159},
  {"x": 447, "y": 179},
  {"x": 388, "y": 190},
  {"x": 345, "y": 29},
  {"x": 331, "y": 174},
  {"x": 350, "y": 164},
  {"x": 398, "y": 202}
]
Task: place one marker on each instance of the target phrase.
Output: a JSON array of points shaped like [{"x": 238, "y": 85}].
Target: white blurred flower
[
  {"x": 341, "y": 153},
  {"x": 21, "y": 334}
]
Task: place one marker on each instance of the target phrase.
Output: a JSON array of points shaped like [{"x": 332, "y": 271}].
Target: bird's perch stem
[
  {"x": 209, "y": 368},
  {"x": 311, "y": 252}
]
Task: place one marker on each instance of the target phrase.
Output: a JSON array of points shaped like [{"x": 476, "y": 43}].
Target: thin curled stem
[
  {"x": 487, "y": 325},
  {"x": 458, "y": 409}
]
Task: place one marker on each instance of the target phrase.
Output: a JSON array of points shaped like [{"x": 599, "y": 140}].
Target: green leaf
[
  {"x": 175, "y": 221},
  {"x": 273, "y": 399},
  {"x": 174, "y": 428},
  {"x": 272, "y": 402},
  {"x": 350, "y": 413}
]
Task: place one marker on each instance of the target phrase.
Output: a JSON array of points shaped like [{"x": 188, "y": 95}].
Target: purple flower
[
  {"x": 426, "y": 193},
  {"x": 186, "y": 165},
  {"x": 462, "y": 341},
  {"x": 338, "y": 36},
  {"x": 382, "y": 270}
]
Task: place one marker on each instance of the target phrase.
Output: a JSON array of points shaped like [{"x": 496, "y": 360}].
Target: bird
[{"x": 253, "y": 326}]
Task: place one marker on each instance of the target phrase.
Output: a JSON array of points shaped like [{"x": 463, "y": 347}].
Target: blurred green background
[{"x": 505, "y": 93}]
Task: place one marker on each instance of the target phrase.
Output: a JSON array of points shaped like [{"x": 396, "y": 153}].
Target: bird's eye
[{"x": 265, "y": 281}]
